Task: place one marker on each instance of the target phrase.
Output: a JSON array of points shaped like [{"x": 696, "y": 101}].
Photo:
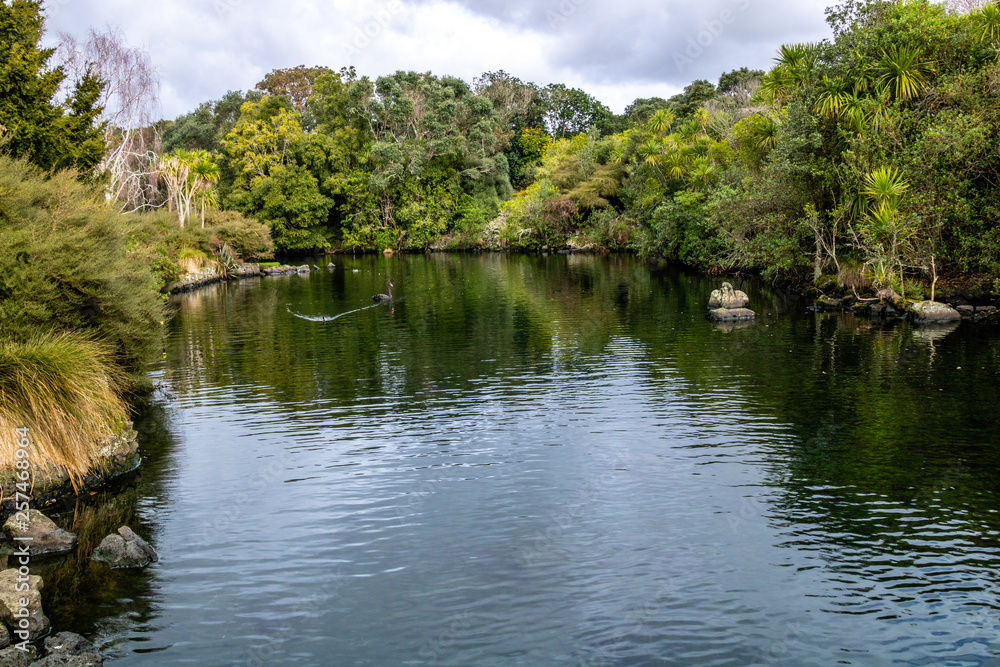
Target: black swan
[{"x": 384, "y": 297}]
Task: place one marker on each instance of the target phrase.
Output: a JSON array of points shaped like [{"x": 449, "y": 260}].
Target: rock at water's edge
[
  {"x": 46, "y": 536},
  {"x": 70, "y": 650},
  {"x": 15, "y": 657},
  {"x": 124, "y": 550},
  {"x": 934, "y": 311},
  {"x": 11, "y": 603},
  {"x": 731, "y": 314},
  {"x": 728, "y": 297}
]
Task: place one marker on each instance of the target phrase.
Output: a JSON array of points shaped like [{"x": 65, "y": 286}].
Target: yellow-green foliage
[
  {"x": 535, "y": 142},
  {"x": 69, "y": 263},
  {"x": 582, "y": 169},
  {"x": 66, "y": 391}
]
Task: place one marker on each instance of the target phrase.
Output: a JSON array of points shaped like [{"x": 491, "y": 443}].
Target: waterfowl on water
[{"x": 384, "y": 297}]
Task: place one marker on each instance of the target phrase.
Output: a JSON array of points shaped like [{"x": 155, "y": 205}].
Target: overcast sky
[{"x": 616, "y": 51}]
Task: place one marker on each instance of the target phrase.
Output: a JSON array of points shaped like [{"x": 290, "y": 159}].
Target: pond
[{"x": 549, "y": 461}]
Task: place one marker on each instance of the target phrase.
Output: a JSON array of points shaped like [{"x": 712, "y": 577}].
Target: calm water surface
[{"x": 549, "y": 461}]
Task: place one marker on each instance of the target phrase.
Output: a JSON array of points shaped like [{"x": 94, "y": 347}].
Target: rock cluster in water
[
  {"x": 729, "y": 304},
  {"x": 22, "y": 619},
  {"x": 124, "y": 550}
]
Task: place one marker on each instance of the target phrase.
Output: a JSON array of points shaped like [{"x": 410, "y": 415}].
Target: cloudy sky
[{"x": 616, "y": 51}]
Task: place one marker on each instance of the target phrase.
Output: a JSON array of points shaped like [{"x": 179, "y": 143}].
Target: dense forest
[{"x": 869, "y": 157}]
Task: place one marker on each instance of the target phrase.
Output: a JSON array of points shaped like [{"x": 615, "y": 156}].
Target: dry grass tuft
[
  {"x": 67, "y": 390},
  {"x": 854, "y": 276}
]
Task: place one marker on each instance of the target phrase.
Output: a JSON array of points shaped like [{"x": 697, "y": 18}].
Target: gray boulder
[
  {"x": 17, "y": 606},
  {"x": 731, "y": 314},
  {"x": 124, "y": 550},
  {"x": 728, "y": 297},
  {"x": 45, "y": 536},
  {"x": 69, "y": 649},
  {"x": 925, "y": 312},
  {"x": 15, "y": 657}
]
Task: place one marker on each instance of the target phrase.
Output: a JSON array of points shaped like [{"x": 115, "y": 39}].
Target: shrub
[
  {"x": 248, "y": 239},
  {"x": 70, "y": 263}
]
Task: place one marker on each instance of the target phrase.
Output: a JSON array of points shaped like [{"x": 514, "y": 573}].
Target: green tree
[
  {"x": 295, "y": 83},
  {"x": 570, "y": 111},
  {"x": 48, "y": 134}
]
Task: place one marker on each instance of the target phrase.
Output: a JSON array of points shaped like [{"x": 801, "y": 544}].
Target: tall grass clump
[{"x": 67, "y": 391}]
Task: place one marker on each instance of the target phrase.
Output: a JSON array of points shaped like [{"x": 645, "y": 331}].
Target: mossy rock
[{"x": 826, "y": 282}]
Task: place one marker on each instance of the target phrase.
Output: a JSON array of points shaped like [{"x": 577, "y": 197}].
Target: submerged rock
[
  {"x": 728, "y": 297},
  {"x": 933, "y": 311},
  {"x": 124, "y": 550},
  {"x": 22, "y": 610},
  {"x": 39, "y": 533}
]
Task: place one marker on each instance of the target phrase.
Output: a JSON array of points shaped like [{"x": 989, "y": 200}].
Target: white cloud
[{"x": 616, "y": 51}]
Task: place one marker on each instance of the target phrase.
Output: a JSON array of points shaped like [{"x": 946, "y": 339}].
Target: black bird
[{"x": 383, "y": 297}]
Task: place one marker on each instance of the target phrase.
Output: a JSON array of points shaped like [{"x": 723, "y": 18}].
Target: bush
[
  {"x": 71, "y": 264},
  {"x": 249, "y": 240}
]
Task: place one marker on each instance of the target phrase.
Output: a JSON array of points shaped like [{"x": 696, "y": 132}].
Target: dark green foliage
[
  {"x": 641, "y": 109},
  {"x": 34, "y": 127},
  {"x": 694, "y": 96},
  {"x": 570, "y": 111},
  {"x": 737, "y": 82}
]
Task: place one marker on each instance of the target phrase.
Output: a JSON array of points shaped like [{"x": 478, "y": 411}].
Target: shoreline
[{"x": 826, "y": 294}]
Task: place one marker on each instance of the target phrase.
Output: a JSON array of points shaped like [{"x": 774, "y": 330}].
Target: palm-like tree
[
  {"x": 689, "y": 130},
  {"x": 833, "y": 97},
  {"x": 702, "y": 117},
  {"x": 661, "y": 121},
  {"x": 703, "y": 171},
  {"x": 651, "y": 151},
  {"x": 988, "y": 20},
  {"x": 766, "y": 133},
  {"x": 175, "y": 170},
  {"x": 701, "y": 147},
  {"x": 904, "y": 72},
  {"x": 885, "y": 185},
  {"x": 776, "y": 85},
  {"x": 799, "y": 60},
  {"x": 676, "y": 164},
  {"x": 205, "y": 174}
]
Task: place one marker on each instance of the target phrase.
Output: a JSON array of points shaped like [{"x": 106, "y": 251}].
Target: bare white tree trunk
[{"x": 130, "y": 102}]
